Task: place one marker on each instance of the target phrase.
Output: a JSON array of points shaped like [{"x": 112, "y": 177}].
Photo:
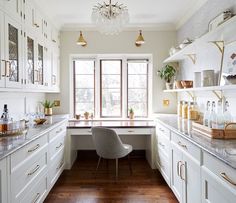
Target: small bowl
[
  {"x": 178, "y": 84},
  {"x": 40, "y": 121},
  {"x": 187, "y": 83}
]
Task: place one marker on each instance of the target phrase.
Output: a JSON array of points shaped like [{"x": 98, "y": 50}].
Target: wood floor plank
[{"x": 79, "y": 184}]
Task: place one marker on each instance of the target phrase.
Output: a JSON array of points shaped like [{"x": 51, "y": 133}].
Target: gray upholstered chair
[{"x": 109, "y": 146}]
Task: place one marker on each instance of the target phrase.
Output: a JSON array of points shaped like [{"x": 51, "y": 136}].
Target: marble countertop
[
  {"x": 10, "y": 144},
  {"x": 112, "y": 123},
  {"x": 225, "y": 150}
]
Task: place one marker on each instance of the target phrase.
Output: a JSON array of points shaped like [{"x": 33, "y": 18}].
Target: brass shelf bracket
[
  {"x": 192, "y": 57},
  {"x": 218, "y": 94},
  {"x": 191, "y": 95},
  {"x": 220, "y": 45}
]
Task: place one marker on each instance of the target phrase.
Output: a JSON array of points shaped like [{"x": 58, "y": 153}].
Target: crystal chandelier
[{"x": 110, "y": 18}]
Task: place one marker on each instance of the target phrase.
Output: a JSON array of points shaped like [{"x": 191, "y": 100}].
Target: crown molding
[{"x": 190, "y": 13}]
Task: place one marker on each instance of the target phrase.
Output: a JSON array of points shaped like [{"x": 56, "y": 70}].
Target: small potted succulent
[
  {"x": 167, "y": 73},
  {"x": 131, "y": 113},
  {"x": 48, "y": 105},
  {"x": 86, "y": 115}
]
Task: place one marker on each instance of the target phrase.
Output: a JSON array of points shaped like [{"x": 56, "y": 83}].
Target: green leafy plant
[
  {"x": 47, "y": 104},
  {"x": 167, "y": 73},
  {"x": 131, "y": 110}
]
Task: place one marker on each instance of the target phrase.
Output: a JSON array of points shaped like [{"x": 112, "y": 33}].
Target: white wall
[
  {"x": 21, "y": 103},
  {"x": 157, "y": 43}
]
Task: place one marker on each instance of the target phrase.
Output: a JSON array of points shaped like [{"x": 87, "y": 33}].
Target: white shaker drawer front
[
  {"x": 133, "y": 131},
  {"x": 160, "y": 129},
  {"x": 163, "y": 145},
  {"x": 23, "y": 177},
  {"x": 37, "y": 193},
  {"x": 162, "y": 163},
  {"x": 186, "y": 146},
  {"x": 220, "y": 169},
  {"x": 56, "y": 168},
  {"x": 56, "y": 146},
  {"x": 57, "y": 131},
  {"x": 21, "y": 156}
]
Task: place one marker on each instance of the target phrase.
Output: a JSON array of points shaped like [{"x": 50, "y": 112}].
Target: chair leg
[
  {"x": 99, "y": 160},
  {"x": 130, "y": 165},
  {"x": 117, "y": 167}
]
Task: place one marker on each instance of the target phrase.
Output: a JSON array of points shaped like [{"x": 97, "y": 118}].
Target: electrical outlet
[
  {"x": 166, "y": 102},
  {"x": 57, "y": 103}
]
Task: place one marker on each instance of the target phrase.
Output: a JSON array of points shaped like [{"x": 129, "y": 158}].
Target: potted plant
[
  {"x": 48, "y": 107},
  {"x": 167, "y": 73},
  {"x": 131, "y": 113},
  {"x": 86, "y": 115}
]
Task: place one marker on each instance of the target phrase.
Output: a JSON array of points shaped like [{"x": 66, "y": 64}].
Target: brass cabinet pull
[
  {"x": 35, "y": 148},
  {"x": 223, "y": 175},
  {"x": 34, "y": 170},
  {"x": 182, "y": 145},
  {"x": 61, "y": 164},
  {"x": 36, "y": 198},
  {"x": 178, "y": 172},
  {"x": 59, "y": 146},
  {"x": 58, "y": 131},
  {"x": 54, "y": 41},
  {"x": 130, "y": 131},
  {"x": 183, "y": 178}
]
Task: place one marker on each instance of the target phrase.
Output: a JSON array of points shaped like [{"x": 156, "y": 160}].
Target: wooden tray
[{"x": 229, "y": 132}]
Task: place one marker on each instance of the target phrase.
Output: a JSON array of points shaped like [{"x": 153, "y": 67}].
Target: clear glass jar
[
  {"x": 192, "y": 111},
  {"x": 185, "y": 110},
  {"x": 179, "y": 109}
]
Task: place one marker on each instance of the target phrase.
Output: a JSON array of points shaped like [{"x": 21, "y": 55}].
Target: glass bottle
[
  {"x": 227, "y": 114},
  {"x": 179, "y": 111},
  {"x": 192, "y": 111},
  {"x": 207, "y": 112},
  {"x": 185, "y": 110},
  {"x": 212, "y": 114},
  {"x": 218, "y": 121}
]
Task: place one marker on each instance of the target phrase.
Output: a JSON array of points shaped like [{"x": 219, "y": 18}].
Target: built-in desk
[{"x": 138, "y": 133}]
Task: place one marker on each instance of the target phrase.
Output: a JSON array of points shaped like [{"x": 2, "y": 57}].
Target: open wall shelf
[{"x": 224, "y": 33}]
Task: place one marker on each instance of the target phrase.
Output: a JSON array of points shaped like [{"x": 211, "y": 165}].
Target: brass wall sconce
[
  {"x": 140, "y": 40},
  {"x": 81, "y": 41}
]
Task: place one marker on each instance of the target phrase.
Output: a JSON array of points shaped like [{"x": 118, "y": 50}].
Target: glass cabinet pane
[
  {"x": 40, "y": 64},
  {"x": 13, "y": 53},
  {"x": 30, "y": 60}
]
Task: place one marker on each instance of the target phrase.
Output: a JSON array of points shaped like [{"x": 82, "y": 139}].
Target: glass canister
[
  {"x": 192, "y": 111},
  {"x": 184, "y": 110},
  {"x": 179, "y": 109}
]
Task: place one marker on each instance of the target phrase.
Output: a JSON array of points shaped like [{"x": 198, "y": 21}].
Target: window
[
  {"x": 137, "y": 94},
  {"x": 109, "y": 85},
  {"x": 111, "y": 97},
  {"x": 84, "y": 86}
]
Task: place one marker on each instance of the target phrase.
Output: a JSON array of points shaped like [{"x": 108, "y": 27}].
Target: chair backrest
[{"x": 107, "y": 143}]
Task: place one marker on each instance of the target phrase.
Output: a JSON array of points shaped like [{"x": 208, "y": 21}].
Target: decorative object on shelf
[
  {"x": 228, "y": 72},
  {"x": 208, "y": 78},
  {"x": 197, "y": 79},
  {"x": 131, "y": 113},
  {"x": 178, "y": 84},
  {"x": 185, "y": 43},
  {"x": 173, "y": 50},
  {"x": 110, "y": 18},
  {"x": 140, "y": 40},
  {"x": 81, "y": 41},
  {"x": 218, "y": 20},
  {"x": 48, "y": 107},
  {"x": 187, "y": 83},
  {"x": 77, "y": 116},
  {"x": 86, "y": 115},
  {"x": 167, "y": 73}
]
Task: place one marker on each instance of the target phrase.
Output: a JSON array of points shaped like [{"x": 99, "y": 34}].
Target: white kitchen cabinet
[
  {"x": 29, "y": 15},
  {"x": 13, "y": 8},
  {"x": 38, "y": 23},
  {"x": 13, "y": 53},
  {"x": 4, "y": 181},
  {"x": 186, "y": 170},
  {"x": 47, "y": 67}
]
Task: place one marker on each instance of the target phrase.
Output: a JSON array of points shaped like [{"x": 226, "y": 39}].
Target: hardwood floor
[{"x": 79, "y": 185}]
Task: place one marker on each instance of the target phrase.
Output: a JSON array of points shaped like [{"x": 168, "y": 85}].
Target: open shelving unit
[{"x": 220, "y": 36}]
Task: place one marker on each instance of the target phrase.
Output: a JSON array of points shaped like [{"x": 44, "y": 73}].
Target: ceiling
[{"x": 166, "y": 14}]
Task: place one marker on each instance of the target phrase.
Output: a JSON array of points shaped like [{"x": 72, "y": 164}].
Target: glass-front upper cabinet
[
  {"x": 30, "y": 61},
  {"x": 13, "y": 8},
  {"x": 40, "y": 66},
  {"x": 13, "y": 51}
]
